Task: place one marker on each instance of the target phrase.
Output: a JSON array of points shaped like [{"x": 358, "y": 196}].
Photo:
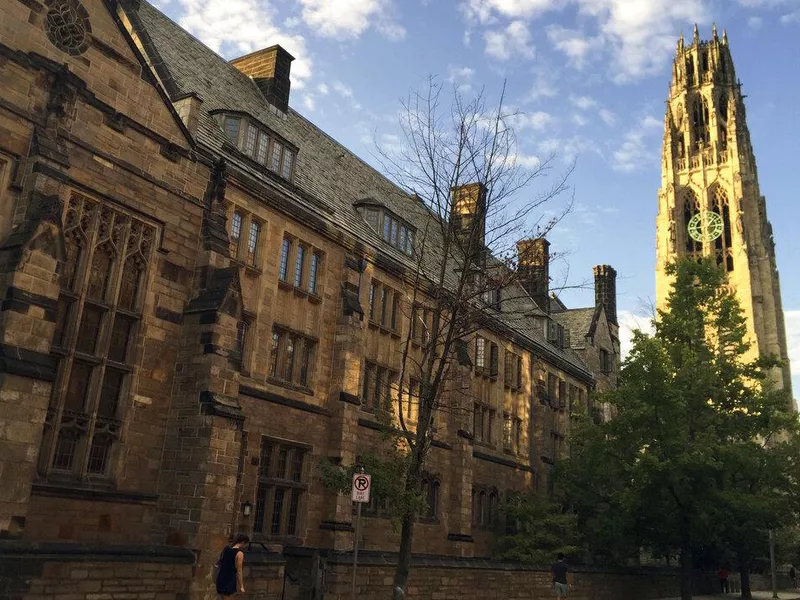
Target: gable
[{"x": 88, "y": 37}]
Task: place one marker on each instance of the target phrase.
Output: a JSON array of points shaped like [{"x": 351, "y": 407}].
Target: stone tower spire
[{"x": 709, "y": 202}]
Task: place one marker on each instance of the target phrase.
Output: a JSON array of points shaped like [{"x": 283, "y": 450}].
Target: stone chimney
[
  {"x": 270, "y": 69},
  {"x": 605, "y": 290},
  {"x": 469, "y": 207},
  {"x": 533, "y": 269}
]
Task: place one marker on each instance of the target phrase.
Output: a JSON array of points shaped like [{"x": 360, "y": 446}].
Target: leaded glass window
[{"x": 99, "y": 311}]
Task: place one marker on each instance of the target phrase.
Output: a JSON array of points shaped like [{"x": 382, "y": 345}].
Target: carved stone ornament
[{"x": 67, "y": 26}]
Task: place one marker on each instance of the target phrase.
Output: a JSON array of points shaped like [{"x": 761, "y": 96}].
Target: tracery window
[
  {"x": 700, "y": 122},
  {"x": 691, "y": 206},
  {"x": 723, "y": 253},
  {"x": 99, "y": 311},
  {"x": 281, "y": 490}
]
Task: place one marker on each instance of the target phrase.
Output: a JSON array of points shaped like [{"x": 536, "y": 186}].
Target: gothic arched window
[
  {"x": 691, "y": 207},
  {"x": 699, "y": 122},
  {"x": 723, "y": 253},
  {"x": 690, "y": 71},
  {"x": 99, "y": 309}
]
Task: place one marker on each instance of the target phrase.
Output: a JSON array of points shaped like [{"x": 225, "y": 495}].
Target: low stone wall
[
  {"x": 474, "y": 579},
  {"x": 79, "y": 572}
]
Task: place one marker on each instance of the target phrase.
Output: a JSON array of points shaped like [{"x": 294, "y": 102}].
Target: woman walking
[{"x": 229, "y": 568}]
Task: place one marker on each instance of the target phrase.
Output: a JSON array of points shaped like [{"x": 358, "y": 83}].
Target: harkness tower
[{"x": 709, "y": 203}]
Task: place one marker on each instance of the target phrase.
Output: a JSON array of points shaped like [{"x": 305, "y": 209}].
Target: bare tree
[{"x": 460, "y": 159}]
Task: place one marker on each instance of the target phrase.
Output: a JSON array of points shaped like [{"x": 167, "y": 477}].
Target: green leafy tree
[
  {"x": 534, "y": 530},
  {"x": 695, "y": 418}
]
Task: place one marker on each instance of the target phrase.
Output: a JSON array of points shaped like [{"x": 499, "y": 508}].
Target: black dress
[{"x": 226, "y": 576}]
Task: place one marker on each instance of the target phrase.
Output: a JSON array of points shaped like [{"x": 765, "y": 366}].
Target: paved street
[{"x": 784, "y": 595}]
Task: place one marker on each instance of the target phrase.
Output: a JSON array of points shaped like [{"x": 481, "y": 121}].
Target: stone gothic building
[
  {"x": 709, "y": 203},
  {"x": 202, "y": 296}
]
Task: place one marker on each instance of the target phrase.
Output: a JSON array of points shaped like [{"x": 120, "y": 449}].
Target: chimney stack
[
  {"x": 270, "y": 69},
  {"x": 605, "y": 290},
  {"x": 469, "y": 213},
  {"x": 533, "y": 268}
]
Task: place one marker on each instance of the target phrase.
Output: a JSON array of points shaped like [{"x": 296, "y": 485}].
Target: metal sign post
[{"x": 362, "y": 486}]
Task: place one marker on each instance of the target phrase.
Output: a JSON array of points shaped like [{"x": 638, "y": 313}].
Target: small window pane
[
  {"x": 110, "y": 393},
  {"x": 263, "y": 146},
  {"x": 232, "y": 129},
  {"x": 297, "y": 465},
  {"x": 288, "y": 160},
  {"x": 69, "y": 270},
  {"x": 283, "y": 460},
  {"x": 395, "y": 225},
  {"x": 89, "y": 330},
  {"x": 312, "y": 274},
  {"x": 283, "y": 271},
  {"x": 298, "y": 266},
  {"x": 384, "y": 307},
  {"x": 277, "y": 511},
  {"x": 100, "y": 273},
  {"x": 99, "y": 454},
  {"x": 387, "y": 227},
  {"x": 294, "y": 505},
  {"x": 250, "y": 140},
  {"x": 66, "y": 444},
  {"x": 241, "y": 336},
  {"x": 401, "y": 243},
  {"x": 372, "y": 291},
  {"x": 120, "y": 338},
  {"x": 305, "y": 363},
  {"x": 236, "y": 226},
  {"x": 273, "y": 358},
  {"x": 275, "y": 162},
  {"x": 288, "y": 359},
  {"x": 77, "y": 387},
  {"x": 410, "y": 242},
  {"x": 261, "y": 507},
  {"x": 265, "y": 461},
  {"x": 129, "y": 287},
  {"x": 252, "y": 242}
]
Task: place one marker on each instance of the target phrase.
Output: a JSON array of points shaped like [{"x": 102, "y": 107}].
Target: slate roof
[
  {"x": 581, "y": 323},
  {"x": 328, "y": 178}
]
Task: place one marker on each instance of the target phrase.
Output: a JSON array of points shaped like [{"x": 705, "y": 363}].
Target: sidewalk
[{"x": 761, "y": 595}]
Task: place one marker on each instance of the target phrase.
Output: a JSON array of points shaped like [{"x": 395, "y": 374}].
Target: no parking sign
[{"x": 362, "y": 484}]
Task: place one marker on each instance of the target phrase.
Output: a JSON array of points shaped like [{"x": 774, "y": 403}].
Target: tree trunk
[
  {"x": 686, "y": 565},
  {"x": 744, "y": 573},
  {"x": 403, "y": 568}
]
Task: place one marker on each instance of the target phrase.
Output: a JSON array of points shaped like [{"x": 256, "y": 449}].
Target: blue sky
[{"x": 591, "y": 77}]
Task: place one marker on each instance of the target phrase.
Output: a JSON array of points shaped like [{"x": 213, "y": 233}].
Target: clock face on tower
[{"x": 705, "y": 226}]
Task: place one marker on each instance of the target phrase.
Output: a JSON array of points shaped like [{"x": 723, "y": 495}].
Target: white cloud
[
  {"x": 309, "y": 102},
  {"x": 639, "y": 35},
  {"x": 528, "y": 161},
  {"x": 346, "y": 92},
  {"x": 579, "y": 120},
  {"x": 792, "y": 17},
  {"x": 755, "y": 22},
  {"x": 583, "y": 102},
  {"x": 574, "y": 44},
  {"x": 608, "y": 117},
  {"x": 544, "y": 85},
  {"x": 460, "y": 77},
  {"x": 512, "y": 42},
  {"x": 568, "y": 148},
  {"x": 484, "y": 10},
  {"x": 634, "y": 151},
  {"x": 628, "y": 322},
  {"x": 351, "y": 18},
  {"x": 236, "y": 27},
  {"x": 537, "y": 120},
  {"x": 323, "y": 89}
]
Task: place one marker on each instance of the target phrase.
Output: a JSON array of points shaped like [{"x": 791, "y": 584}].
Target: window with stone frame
[
  {"x": 292, "y": 358},
  {"x": 261, "y": 145},
  {"x": 378, "y": 384},
  {"x": 483, "y": 416},
  {"x": 723, "y": 251},
  {"x": 300, "y": 266},
  {"x": 485, "y": 507},
  {"x": 245, "y": 233},
  {"x": 691, "y": 207},
  {"x": 486, "y": 357},
  {"x": 606, "y": 362},
  {"x": 103, "y": 282},
  {"x": 431, "y": 490},
  {"x": 512, "y": 432},
  {"x": 421, "y": 323},
  {"x": 281, "y": 489},
  {"x": 384, "y": 306},
  {"x": 512, "y": 365}
]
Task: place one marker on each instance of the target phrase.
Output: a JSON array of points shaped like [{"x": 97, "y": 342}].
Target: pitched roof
[
  {"x": 581, "y": 323},
  {"x": 328, "y": 178}
]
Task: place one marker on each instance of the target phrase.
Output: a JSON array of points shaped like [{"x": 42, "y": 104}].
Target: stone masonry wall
[
  {"x": 482, "y": 580},
  {"x": 76, "y": 572}
]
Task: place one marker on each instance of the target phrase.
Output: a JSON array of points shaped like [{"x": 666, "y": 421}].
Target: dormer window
[
  {"x": 261, "y": 145},
  {"x": 392, "y": 229}
]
